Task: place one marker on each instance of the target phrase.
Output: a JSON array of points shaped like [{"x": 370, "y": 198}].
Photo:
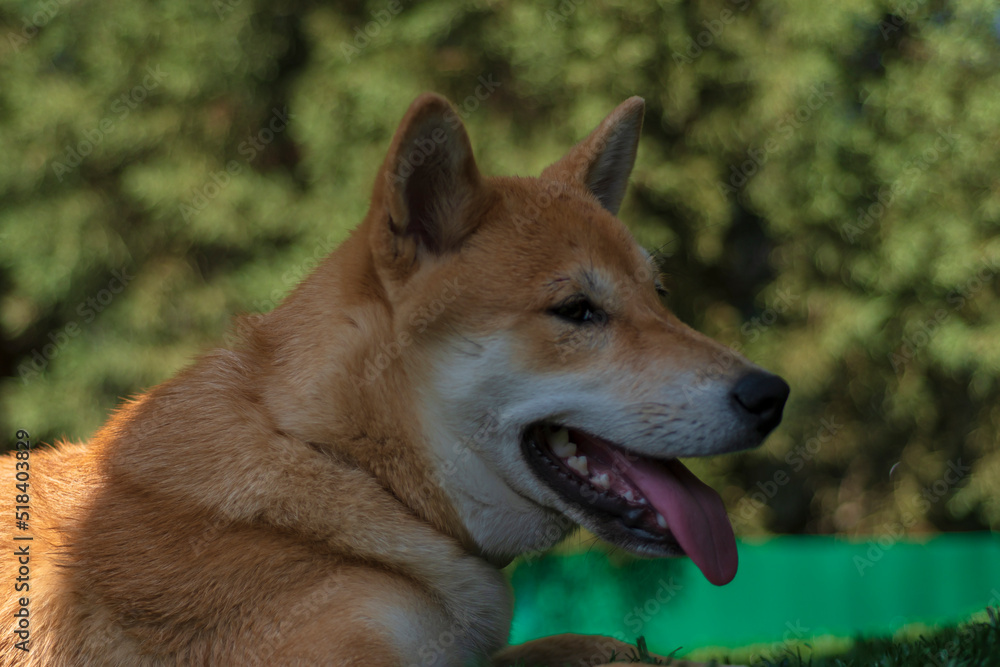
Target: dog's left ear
[
  {"x": 429, "y": 184},
  {"x": 602, "y": 162}
]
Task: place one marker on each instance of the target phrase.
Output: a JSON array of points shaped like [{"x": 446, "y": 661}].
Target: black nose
[{"x": 763, "y": 395}]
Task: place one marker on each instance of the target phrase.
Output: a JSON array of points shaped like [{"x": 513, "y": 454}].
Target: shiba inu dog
[{"x": 481, "y": 365}]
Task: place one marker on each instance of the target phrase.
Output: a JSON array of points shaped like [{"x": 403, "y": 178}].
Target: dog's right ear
[{"x": 429, "y": 184}]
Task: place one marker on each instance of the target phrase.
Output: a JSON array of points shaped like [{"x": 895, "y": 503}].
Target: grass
[{"x": 972, "y": 644}]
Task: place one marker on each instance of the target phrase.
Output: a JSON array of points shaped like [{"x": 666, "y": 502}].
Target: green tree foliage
[{"x": 821, "y": 176}]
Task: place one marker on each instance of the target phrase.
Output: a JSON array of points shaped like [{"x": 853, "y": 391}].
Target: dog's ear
[
  {"x": 430, "y": 185},
  {"x": 602, "y": 162}
]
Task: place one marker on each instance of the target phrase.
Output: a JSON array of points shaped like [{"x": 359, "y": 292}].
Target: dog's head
[{"x": 549, "y": 380}]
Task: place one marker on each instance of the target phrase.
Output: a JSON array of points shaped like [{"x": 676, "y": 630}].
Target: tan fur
[{"x": 270, "y": 505}]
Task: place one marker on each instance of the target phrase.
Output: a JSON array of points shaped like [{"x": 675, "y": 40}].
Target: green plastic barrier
[{"x": 787, "y": 588}]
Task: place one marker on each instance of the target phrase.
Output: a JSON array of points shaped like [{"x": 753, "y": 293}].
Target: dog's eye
[{"x": 579, "y": 309}]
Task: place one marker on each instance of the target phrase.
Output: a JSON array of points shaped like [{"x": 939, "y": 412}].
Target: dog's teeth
[
  {"x": 564, "y": 451},
  {"x": 629, "y": 496},
  {"x": 560, "y": 444},
  {"x": 579, "y": 464},
  {"x": 602, "y": 481},
  {"x": 660, "y": 521},
  {"x": 641, "y": 500}
]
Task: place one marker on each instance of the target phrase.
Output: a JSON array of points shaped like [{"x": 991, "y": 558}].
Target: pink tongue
[{"x": 693, "y": 510}]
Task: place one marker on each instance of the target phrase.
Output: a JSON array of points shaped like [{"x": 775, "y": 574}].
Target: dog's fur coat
[{"x": 300, "y": 499}]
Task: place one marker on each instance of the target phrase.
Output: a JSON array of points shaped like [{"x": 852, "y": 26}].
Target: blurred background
[{"x": 823, "y": 178}]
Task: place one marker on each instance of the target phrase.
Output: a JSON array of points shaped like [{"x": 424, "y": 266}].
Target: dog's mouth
[{"x": 648, "y": 505}]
